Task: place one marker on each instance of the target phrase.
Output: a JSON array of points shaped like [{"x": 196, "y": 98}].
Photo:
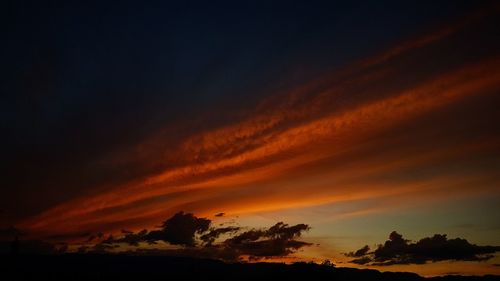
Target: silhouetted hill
[{"x": 125, "y": 267}]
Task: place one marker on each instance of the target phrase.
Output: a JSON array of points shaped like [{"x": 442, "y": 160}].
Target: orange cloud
[{"x": 289, "y": 136}]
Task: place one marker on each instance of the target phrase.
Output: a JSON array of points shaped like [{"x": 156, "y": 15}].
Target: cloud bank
[
  {"x": 398, "y": 250},
  {"x": 198, "y": 238}
]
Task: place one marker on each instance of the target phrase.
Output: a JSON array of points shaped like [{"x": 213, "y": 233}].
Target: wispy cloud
[{"x": 330, "y": 131}]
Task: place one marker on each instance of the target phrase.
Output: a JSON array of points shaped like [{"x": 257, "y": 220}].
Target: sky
[{"x": 354, "y": 119}]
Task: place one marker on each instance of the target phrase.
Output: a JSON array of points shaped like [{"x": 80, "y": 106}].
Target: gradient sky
[{"x": 355, "y": 118}]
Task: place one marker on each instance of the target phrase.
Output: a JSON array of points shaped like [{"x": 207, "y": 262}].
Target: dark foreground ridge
[{"x": 127, "y": 267}]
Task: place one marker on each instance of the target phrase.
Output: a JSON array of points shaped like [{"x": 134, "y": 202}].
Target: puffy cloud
[
  {"x": 278, "y": 240},
  {"x": 91, "y": 237},
  {"x": 398, "y": 250},
  {"x": 182, "y": 229},
  {"x": 214, "y": 233},
  {"x": 131, "y": 238},
  {"x": 359, "y": 253},
  {"x": 361, "y": 260},
  {"x": 100, "y": 248}
]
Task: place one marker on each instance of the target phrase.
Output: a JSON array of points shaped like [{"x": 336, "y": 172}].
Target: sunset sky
[{"x": 356, "y": 119}]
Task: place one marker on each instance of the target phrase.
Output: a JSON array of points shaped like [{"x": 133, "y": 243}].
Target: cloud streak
[{"x": 325, "y": 136}]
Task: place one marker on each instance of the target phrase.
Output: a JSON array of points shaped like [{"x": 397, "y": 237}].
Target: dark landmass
[{"x": 129, "y": 267}]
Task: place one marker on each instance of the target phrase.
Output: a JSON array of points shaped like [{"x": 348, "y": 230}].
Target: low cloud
[
  {"x": 192, "y": 236},
  {"x": 359, "y": 253},
  {"x": 214, "y": 233},
  {"x": 278, "y": 240},
  {"x": 198, "y": 238},
  {"x": 398, "y": 250},
  {"x": 180, "y": 229}
]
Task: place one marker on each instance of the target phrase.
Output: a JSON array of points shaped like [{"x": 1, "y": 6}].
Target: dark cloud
[
  {"x": 361, "y": 260},
  {"x": 196, "y": 236},
  {"x": 283, "y": 231},
  {"x": 220, "y": 214},
  {"x": 97, "y": 236},
  {"x": 214, "y": 233},
  {"x": 359, "y": 253},
  {"x": 398, "y": 250},
  {"x": 100, "y": 248},
  {"x": 182, "y": 229},
  {"x": 131, "y": 238},
  {"x": 82, "y": 249},
  {"x": 278, "y": 240},
  {"x": 109, "y": 240}
]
